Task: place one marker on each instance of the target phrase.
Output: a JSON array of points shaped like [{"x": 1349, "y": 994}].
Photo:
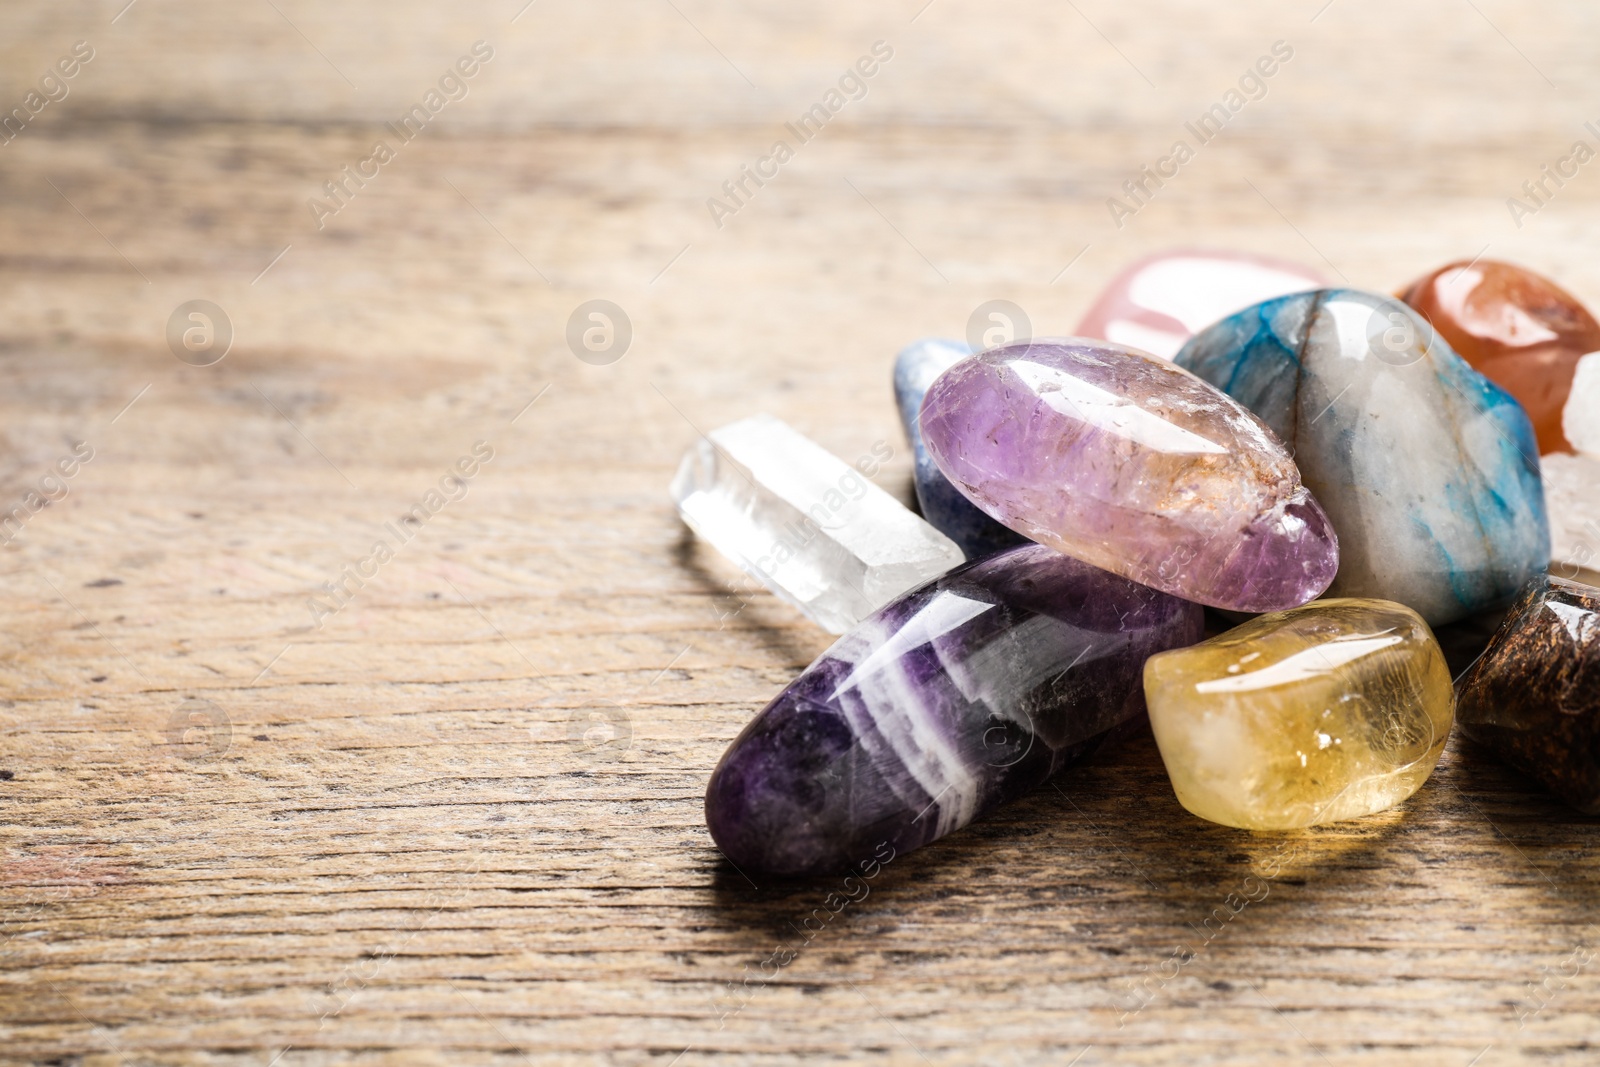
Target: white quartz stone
[
  {"x": 810, "y": 527},
  {"x": 1572, "y": 497},
  {"x": 1580, "y": 419}
]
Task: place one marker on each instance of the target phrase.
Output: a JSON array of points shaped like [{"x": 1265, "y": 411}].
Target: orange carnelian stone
[{"x": 1518, "y": 328}]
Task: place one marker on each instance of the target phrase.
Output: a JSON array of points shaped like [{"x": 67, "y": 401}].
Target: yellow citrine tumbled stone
[{"x": 1324, "y": 712}]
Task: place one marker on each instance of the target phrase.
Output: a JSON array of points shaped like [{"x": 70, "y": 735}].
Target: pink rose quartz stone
[{"x": 1160, "y": 302}]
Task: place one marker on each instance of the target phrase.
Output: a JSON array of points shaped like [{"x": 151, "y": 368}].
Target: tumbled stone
[
  {"x": 952, "y": 514},
  {"x": 1127, "y": 462},
  {"x": 1572, "y": 495},
  {"x": 1533, "y": 699},
  {"x": 1580, "y": 419},
  {"x": 955, "y": 699},
  {"x": 1428, "y": 470},
  {"x": 1519, "y": 328},
  {"x": 1330, "y": 711},
  {"x": 1161, "y": 301},
  {"x": 804, "y": 523}
]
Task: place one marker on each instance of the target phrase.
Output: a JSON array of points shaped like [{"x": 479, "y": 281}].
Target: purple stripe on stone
[{"x": 959, "y": 697}]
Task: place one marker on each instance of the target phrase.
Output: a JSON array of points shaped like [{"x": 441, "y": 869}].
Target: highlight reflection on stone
[
  {"x": 1520, "y": 328},
  {"x": 1428, "y": 470},
  {"x": 1534, "y": 697},
  {"x": 952, "y": 514},
  {"x": 809, "y": 526},
  {"x": 1330, "y": 711},
  {"x": 1127, "y": 462},
  {"x": 1161, "y": 301},
  {"x": 953, "y": 700}
]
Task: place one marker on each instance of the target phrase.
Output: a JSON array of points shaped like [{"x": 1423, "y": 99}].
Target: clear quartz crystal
[
  {"x": 810, "y": 527},
  {"x": 1581, "y": 417},
  {"x": 1572, "y": 493}
]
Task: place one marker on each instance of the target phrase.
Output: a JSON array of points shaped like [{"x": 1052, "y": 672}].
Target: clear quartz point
[{"x": 803, "y": 522}]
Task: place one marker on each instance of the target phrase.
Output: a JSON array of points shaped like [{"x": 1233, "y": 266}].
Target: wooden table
[{"x": 458, "y": 820}]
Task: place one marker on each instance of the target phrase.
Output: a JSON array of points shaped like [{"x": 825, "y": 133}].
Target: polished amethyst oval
[
  {"x": 1134, "y": 465},
  {"x": 959, "y": 697}
]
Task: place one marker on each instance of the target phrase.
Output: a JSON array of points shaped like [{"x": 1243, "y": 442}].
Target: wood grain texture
[{"x": 398, "y": 837}]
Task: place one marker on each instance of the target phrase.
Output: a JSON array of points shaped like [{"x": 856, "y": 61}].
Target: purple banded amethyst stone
[
  {"x": 1135, "y": 465},
  {"x": 959, "y": 697}
]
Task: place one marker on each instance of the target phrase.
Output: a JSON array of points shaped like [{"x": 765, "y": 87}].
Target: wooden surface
[{"x": 460, "y": 821}]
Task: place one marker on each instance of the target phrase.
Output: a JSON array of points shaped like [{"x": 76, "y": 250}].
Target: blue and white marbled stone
[
  {"x": 943, "y": 505},
  {"x": 1428, "y": 470}
]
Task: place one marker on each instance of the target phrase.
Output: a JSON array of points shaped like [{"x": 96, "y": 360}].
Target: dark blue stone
[{"x": 942, "y": 504}]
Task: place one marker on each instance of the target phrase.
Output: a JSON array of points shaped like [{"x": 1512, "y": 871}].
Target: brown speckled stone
[{"x": 1534, "y": 697}]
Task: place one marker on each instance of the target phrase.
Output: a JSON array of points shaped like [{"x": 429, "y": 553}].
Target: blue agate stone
[
  {"x": 1428, "y": 470},
  {"x": 942, "y": 504},
  {"x": 960, "y": 696}
]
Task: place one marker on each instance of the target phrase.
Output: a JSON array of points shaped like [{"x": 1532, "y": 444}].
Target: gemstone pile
[{"x": 1335, "y": 470}]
